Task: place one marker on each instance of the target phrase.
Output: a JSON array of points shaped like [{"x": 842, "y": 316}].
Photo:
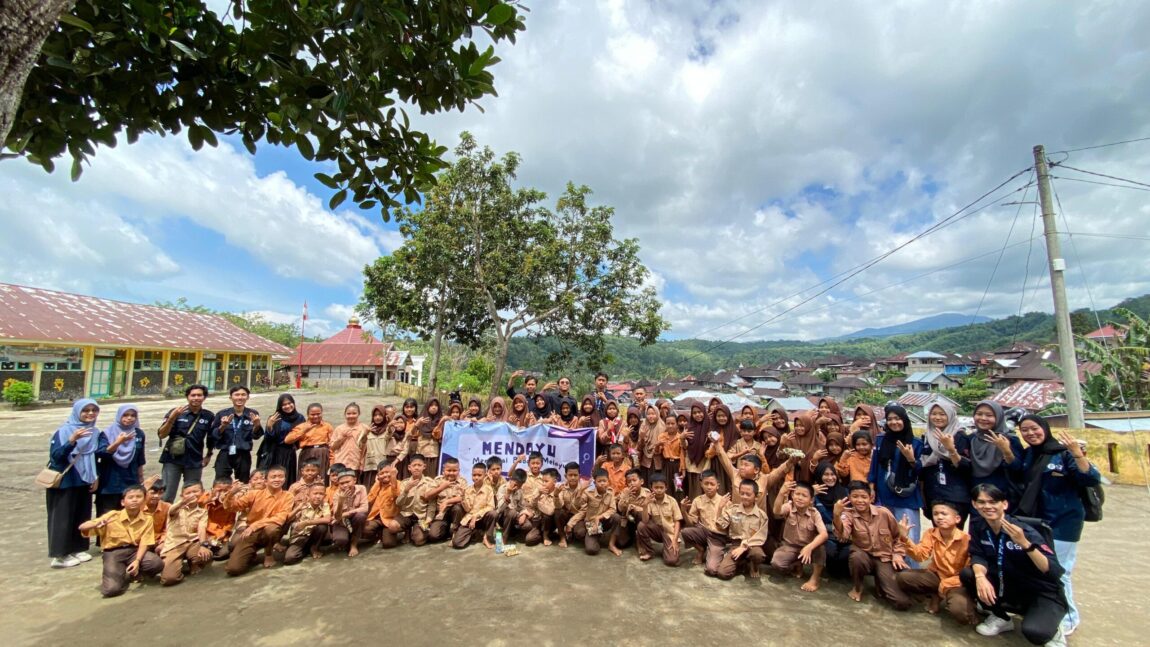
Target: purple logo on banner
[{"x": 472, "y": 442}]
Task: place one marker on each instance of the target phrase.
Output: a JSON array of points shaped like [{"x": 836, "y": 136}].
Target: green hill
[{"x": 627, "y": 359}]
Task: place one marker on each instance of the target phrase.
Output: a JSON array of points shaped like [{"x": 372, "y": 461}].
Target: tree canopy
[
  {"x": 513, "y": 266},
  {"x": 333, "y": 78},
  {"x": 286, "y": 334}
]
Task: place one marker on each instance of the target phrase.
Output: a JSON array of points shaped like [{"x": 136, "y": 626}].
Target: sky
[{"x": 759, "y": 151}]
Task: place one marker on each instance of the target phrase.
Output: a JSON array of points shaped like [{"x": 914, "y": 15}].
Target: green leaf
[
  {"x": 77, "y": 169},
  {"x": 195, "y": 138},
  {"x": 188, "y": 51},
  {"x": 337, "y": 199},
  {"x": 209, "y": 136},
  {"x": 327, "y": 180},
  {"x": 69, "y": 19},
  {"x": 500, "y": 14},
  {"x": 304, "y": 145}
]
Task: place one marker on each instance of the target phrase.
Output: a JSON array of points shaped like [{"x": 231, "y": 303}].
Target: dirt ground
[{"x": 436, "y": 595}]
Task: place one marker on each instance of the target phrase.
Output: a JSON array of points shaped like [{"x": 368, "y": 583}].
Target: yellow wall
[{"x": 1132, "y": 453}]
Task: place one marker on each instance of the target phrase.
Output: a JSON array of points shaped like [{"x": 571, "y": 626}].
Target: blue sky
[{"x": 754, "y": 149}]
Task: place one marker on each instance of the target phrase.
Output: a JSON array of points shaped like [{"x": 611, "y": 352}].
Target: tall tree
[
  {"x": 329, "y": 77},
  {"x": 527, "y": 269},
  {"x": 417, "y": 289}
]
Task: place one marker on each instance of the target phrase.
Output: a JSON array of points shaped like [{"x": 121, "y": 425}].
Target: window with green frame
[
  {"x": 260, "y": 362},
  {"x": 182, "y": 362},
  {"x": 149, "y": 360},
  {"x": 237, "y": 362}
]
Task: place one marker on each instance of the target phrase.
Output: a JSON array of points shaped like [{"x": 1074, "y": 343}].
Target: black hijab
[
  {"x": 1037, "y": 456},
  {"x": 293, "y": 418},
  {"x": 833, "y": 494},
  {"x": 888, "y": 453}
]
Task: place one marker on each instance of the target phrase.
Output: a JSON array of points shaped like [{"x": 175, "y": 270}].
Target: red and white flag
[{"x": 305, "y": 310}]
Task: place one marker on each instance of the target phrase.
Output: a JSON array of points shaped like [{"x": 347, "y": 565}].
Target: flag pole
[{"x": 299, "y": 367}]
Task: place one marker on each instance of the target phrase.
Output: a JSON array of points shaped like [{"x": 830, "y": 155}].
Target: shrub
[{"x": 19, "y": 393}]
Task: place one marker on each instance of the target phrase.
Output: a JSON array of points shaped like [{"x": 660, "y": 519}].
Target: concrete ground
[{"x": 436, "y": 595}]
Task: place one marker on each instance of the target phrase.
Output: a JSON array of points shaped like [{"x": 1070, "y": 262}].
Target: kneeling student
[
  {"x": 596, "y": 514},
  {"x": 702, "y": 515},
  {"x": 448, "y": 502},
  {"x": 309, "y": 525},
  {"x": 877, "y": 547},
  {"x": 415, "y": 500},
  {"x": 125, "y": 536},
  {"x": 746, "y": 528},
  {"x": 349, "y": 510},
  {"x": 630, "y": 503},
  {"x": 540, "y": 509},
  {"x": 478, "y": 507},
  {"x": 383, "y": 518},
  {"x": 187, "y": 538},
  {"x": 947, "y": 547},
  {"x": 804, "y": 534},
  {"x": 662, "y": 521},
  {"x": 267, "y": 515}
]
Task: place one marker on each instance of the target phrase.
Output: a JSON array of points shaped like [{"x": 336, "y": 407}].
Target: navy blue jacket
[
  {"x": 1060, "y": 504},
  {"x": 1022, "y": 577},
  {"x": 115, "y": 479},
  {"x": 943, "y": 481},
  {"x": 886, "y": 497}
]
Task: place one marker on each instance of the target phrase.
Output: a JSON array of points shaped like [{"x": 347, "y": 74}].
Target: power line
[
  {"x": 955, "y": 217},
  {"x": 1109, "y": 177},
  {"x": 1114, "y": 236},
  {"x": 1088, "y": 148},
  {"x": 1078, "y": 179},
  {"x": 1098, "y": 322},
  {"x": 1002, "y": 253},
  {"x": 863, "y": 265}
]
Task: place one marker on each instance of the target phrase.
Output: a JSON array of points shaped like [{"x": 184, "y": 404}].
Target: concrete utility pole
[{"x": 1066, "y": 353}]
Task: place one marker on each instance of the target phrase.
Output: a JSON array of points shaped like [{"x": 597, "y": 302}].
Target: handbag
[
  {"x": 892, "y": 483},
  {"x": 49, "y": 478},
  {"x": 177, "y": 446}
]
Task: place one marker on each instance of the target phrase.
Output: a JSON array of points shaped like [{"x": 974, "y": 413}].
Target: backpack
[{"x": 1092, "y": 499}]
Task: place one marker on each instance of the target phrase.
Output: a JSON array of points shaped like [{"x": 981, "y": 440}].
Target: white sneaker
[
  {"x": 993, "y": 625},
  {"x": 83, "y": 557},
  {"x": 1059, "y": 639},
  {"x": 65, "y": 562}
]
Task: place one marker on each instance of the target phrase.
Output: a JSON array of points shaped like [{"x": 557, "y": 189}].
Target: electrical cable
[
  {"x": 1002, "y": 253},
  {"x": 1088, "y": 148},
  {"x": 1109, "y": 177}
]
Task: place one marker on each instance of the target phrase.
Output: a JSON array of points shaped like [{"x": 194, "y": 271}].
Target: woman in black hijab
[{"x": 273, "y": 450}]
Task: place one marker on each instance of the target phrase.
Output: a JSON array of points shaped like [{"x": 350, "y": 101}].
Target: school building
[
  {"x": 71, "y": 346},
  {"x": 354, "y": 358}
]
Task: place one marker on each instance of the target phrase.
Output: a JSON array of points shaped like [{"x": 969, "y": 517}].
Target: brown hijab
[
  {"x": 520, "y": 419},
  {"x": 809, "y": 441},
  {"x": 832, "y": 405},
  {"x": 729, "y": 432},
  {"x": 381, "y": 427},
  {"x": 492, "y": 416}
]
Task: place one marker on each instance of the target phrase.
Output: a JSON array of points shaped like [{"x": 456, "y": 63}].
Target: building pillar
[
  {"x": 248, "y": 380},
  {"x": 89, "y": 361},
  {"x": 166, "y": 359},
  {"x": 197, "y": 368},
  {"x": 129, "y": 371},
  {"x": 37, "y": 367}
]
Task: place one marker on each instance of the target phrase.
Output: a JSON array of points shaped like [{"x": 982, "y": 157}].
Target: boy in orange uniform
[
  {"x": 616, "y": 464},
  {"x": 383, "y": 518},
  {"x": 221, "y": 520},
  {"x": 947, "y": 548},
  {"x": 267, "y": 514}
]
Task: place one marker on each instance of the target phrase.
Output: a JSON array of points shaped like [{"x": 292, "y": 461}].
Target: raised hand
[{"x": 907, "y": 451}]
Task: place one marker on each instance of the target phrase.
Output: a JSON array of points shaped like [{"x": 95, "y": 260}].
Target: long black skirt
[{"x": 67, "y": 509}]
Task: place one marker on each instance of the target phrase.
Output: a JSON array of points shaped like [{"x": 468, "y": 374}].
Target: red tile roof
[
  {"x": 47, "y": 316},
  {"x": 1105, "y": 332},
  {"x": 351, "y": 346}
]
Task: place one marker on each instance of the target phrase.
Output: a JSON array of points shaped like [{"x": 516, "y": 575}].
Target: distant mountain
[{"x": 937, "y": 322}]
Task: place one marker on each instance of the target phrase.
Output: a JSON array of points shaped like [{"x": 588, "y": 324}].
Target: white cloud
[{"x": 759, "y": 148}]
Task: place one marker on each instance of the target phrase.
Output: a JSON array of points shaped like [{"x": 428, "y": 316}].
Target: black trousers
[
  {"x": 1042, "y": 611},
  {"x": 239, "y": 463}
]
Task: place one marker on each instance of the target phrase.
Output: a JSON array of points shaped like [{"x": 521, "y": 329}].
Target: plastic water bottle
[
  {"x": 498, "y": 542},
  {"x": 678, "y": 482}
]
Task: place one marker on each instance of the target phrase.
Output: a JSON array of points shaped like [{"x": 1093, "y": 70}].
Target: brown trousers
[
  {"x": 342, "y": 538},
  {"x": 730, "y": 565},
  {"x": 863, "y": 563},
  {"x": 787, "y": 555},
  {"x": 115, "y": 579},
  {"x": 374, "y": 530},
  {"x": 244, "y": 552},
  {"x": 173, "y": 572},
  {"x": 654, "y": 531},
  {"x": 415, "y": 532},
  {"x": 441, "y": 529},
  {"x": 541, "y": 528},
  {"x": 702, "y": 540},
  {"x": 592, "y": 544},
  {"x": 299, "y": 546},
  {"x": 463, "y": 536},
  {"x": 957, "y": 602}
]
